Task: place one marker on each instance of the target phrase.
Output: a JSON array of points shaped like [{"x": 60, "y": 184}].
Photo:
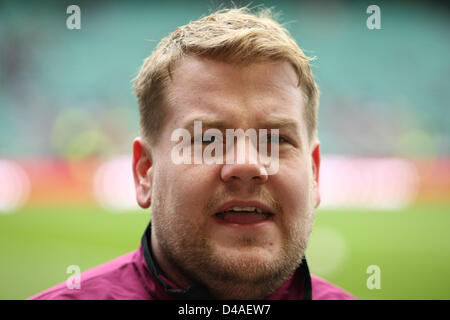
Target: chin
[
  {"x": 250, "y": 273},
  {"x": 245, "y": 264},
  {"x": 256, "y": 254}
]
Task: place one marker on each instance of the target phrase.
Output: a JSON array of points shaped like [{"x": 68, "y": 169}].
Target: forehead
[{"x": 236, "y": 93}]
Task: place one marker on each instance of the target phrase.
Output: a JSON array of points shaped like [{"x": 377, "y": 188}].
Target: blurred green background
[
  {"x": 411, "y": 247},
  {"x": 66, "y": 106}
]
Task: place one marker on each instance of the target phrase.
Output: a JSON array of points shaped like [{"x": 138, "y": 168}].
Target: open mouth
[{"x": 243, "y": 215}]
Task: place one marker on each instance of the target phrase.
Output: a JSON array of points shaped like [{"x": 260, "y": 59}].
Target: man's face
[{"x": 234, "y": 250}]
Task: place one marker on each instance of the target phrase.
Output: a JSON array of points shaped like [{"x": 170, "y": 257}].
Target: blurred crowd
[{"x": 68, "y": 93}]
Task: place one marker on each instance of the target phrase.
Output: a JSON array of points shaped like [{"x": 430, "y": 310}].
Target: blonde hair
[{"x": 231, "y": 35}]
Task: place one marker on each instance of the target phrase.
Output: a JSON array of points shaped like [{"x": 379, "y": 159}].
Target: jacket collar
[{"x": 297, "y": 287}]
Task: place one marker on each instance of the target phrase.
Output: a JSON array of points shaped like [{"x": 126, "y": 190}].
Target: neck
[
  {"x": 244, "y": 291},
  {"x": 168, "y": 269}
]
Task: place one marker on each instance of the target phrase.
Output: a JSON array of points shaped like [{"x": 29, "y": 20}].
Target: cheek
[
  {"x": 293, "y": 187},
  {"x": 185, "y": 188}
]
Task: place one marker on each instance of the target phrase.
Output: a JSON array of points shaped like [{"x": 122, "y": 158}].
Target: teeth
[{"x": 246, "y": 209}]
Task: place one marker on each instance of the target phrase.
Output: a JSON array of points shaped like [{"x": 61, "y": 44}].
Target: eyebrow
[
  {"x": 273, "y": 123},
  {"x": 282, "y": 123},
  {"x": 206, "y": 122}
]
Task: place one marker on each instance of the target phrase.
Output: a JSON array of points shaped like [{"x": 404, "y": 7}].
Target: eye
[
  {"x": 208, "y": 139},
  {"x": 273, "y": 138},
  {"x": 204, "y": 139}
]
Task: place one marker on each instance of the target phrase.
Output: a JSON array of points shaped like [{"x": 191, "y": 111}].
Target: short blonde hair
[{"x": 231, "y": 35}]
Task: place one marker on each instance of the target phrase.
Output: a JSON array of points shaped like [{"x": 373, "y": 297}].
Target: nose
[
  {"x": 250, "y": 170},
  {"x": 246, "y": 172}
]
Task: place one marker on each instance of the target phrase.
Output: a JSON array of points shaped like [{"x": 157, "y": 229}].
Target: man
[{"x": 223, "y": 229}]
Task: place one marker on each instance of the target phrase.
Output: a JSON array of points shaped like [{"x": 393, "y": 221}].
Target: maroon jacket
[{"x": 137, "y": 276}]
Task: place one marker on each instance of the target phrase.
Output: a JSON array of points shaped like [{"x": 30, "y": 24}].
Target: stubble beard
[{"x": 228, "y": 276}]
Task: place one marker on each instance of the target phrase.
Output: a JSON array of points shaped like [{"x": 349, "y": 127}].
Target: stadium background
[{"x": 68, "y": 117}]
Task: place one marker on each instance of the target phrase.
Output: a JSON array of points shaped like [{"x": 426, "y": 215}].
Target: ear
[
  {"x": 316, "y": 169},
  {"x": 142, "y": 172}
]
